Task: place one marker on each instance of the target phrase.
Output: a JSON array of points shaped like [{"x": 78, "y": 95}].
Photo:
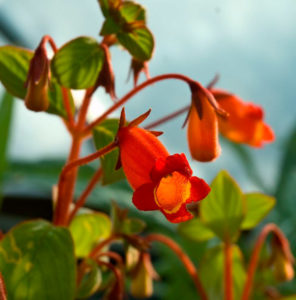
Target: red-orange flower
[
  {"x": 245, "y": 121},
  {"x": 213, "y": 111},
  {"x": 161, "y": 181}
]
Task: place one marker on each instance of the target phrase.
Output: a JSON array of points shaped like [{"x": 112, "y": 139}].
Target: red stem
[
  {"x": 184, "y": 258},
  {"x": 3, "y": 294},
  {"x": 168, "y": 117},
  {"x": 66, "y": 185},
  {"x": 81, "y": 200},
  {"x": 96, "y": 251},
  {"x": 228, "y": 291},
  {"x": 255, "y": 255},
  {"x": 132, "y": 93}
]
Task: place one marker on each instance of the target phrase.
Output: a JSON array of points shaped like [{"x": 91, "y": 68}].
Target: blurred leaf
[
  {"x": 37, "y": 262},
  {"x": 14, "y": 66},
  {"x": 132, "y": 226},
  {"x": 223, "y": 209},
  {"x": 87, "y": 230},
  {"x": 139, "y": 42},
  {"x": 195, "y": 230},
  {"x": 6, "y": 106},
  {"x": 78, "y": 63},
  {"x": 109, "y": 27},
  {"x": 103, "y": 135},
  {"x": 257, "y": 207},
  {"x": 285, "y": 191},
  {"x": 91, "y": 281},
  {"x": 212, "y": 272},
  {"x": 244, "y": 154}
]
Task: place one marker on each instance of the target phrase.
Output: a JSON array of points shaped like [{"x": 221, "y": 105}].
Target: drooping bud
[
  {"x": 142, "y": 278},
  {"x": 106, "y": 76},
  {"x": 37, "y": 81},
  {"x": 282, "y": 259},
  {"x": 137, "y": 67}
]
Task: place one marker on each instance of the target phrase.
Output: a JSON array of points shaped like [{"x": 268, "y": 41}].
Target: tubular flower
[
  {"x": 37, "y": 81},
  {"x": 202, "y": 129},
  {"x": 161, "y": 181},
  {"x": 245, "y": 121}
]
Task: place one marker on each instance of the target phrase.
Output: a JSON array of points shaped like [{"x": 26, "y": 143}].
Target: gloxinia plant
[{"x": 83, "y": 252}]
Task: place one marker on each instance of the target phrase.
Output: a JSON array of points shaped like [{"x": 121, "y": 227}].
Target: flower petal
[
  {"x": 173, "y": 163},
  {"x": 203, "y": 133},
  {"x": 199, "y": 189},
  {"x": 143, "y": 197},
  {"x": 181, "y": 215}
]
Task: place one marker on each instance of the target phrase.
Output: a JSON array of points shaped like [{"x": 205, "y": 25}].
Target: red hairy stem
[
  {"x": 191, "y": 269},
  {"x": 66, "y": 184},
  {"x": 96, "y": 251},
  {"x": 228, "y": 291},
  {"x": 81, "y": 200},
  {"x": 112, "y": 255},
  {"x": 3, "y": 294},
  {"x": 134, "y": 91},
  {"x": 269, "y": 228},
  {"x": 168, "y": 117}
]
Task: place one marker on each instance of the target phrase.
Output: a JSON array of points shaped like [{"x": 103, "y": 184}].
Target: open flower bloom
[
  {"x": 245, "y": 121},
  {"x": 213, "y": 111},
  {"x": 161, "y": 181}
]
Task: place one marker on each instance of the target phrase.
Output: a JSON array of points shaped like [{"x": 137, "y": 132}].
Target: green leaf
[
  {"x": 257, "y": 207},
  {"x": 223, "y": 209},
  {"x": 14, "y": 66},
  {"x": 131, "y": 12},
  {"x": 132, "y": 226},
  {"x": 87, "y": 230},
  {"x": 37, "y": 262},
  {"x": 195, "y": 230},
  {"x": 78, "y": 63},
  {"x": 139, "y": 43},
  {"x": 212, "y": 272},
  {"x": 6, "y": 107},
  {"x": 104, "y": 134},
  {"x": 109, "y": 27},
  {"x": 91, "y": 281}
]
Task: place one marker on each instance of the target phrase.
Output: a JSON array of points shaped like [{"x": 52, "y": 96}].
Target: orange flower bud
[
  {"x": 161, "y": 181},
  {"x": 37, "y": 81},
  {"x": 245, "y": 121}
]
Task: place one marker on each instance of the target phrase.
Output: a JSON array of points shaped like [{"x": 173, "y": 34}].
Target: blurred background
[{"x": 251, "y": 44}]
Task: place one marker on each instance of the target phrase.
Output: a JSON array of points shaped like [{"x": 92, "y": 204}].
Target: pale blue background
[{"x": 251, "y": 43}]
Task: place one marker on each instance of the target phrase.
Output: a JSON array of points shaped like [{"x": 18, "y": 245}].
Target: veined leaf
[
  {"x": 37, "y": 262},
  {"x": 78, "y": 63},
  {"x": 223, "y": 210}
]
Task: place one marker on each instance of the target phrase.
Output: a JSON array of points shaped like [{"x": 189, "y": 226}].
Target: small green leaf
[
  {"x": 87, "y": 230},
  {"x": 104, "y": 134},
  {"x": 78, "y": 63},
  {"x": 132, "y": 226},
  {"x": 139, "y": 42},
  {"x": 37, "y": 262},
  {"x": 212, "y": 272},
  {"x": 223, "y": 209},
  {"x": 195, "y": 230},
  {"x": 109, "y": 27},
  {"x": 257, "y": 207},
  {"x": 131, "y": 12},
  {"x": 91, "y": 281},
  {"x": 14, "y": 66}
]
